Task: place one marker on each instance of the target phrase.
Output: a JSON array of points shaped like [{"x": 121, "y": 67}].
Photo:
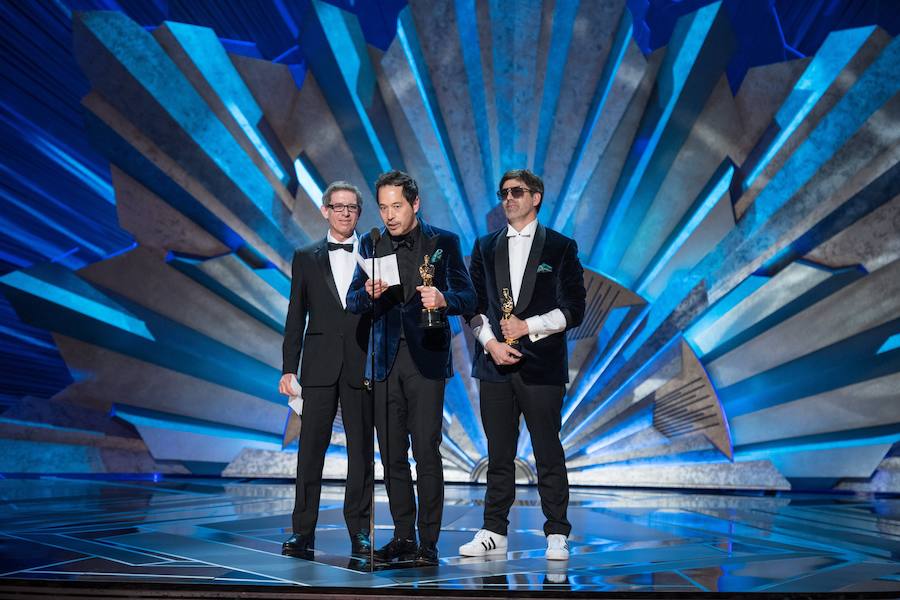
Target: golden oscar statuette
[
  {"x": 431, "y": 317},
  {"x": 507, "y": 307}
]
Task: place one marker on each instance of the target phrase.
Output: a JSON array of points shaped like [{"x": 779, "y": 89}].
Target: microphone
[{"x": 375, "y": 234}]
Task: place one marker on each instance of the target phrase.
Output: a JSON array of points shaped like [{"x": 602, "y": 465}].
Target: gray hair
[{"x": 340, "y": 185}]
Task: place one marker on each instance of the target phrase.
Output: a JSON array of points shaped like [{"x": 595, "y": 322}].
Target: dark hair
[
  {"x": 341, "y": 185},
  {"x": 400, "y": 179},
  {"x": 534, "y": 183}
]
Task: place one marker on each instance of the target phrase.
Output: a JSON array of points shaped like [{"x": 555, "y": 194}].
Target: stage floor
[{"x": 190, "y": 531}]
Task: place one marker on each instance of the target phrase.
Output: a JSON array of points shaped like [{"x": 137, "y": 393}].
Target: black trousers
[
  {"x": 409, "y": 405},
  {"x": 501, "y": 406},
  {"x": 319, "y": 409}
]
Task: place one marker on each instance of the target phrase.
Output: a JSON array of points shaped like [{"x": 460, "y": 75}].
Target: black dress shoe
[
  {"x": 360, "y": 544},
  {"x": 397, "y": 549},
  {"x": 358, "y": 563},
  {"x": 427, "y": 555},
  {"x": 299, "y": 545}
]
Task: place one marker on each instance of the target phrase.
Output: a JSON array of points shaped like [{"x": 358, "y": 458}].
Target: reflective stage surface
[{"x": 214, "y": 531}]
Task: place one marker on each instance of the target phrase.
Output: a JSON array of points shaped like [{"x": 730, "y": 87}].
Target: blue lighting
[
  {"x": 457, "y": 451},
  {"x": 35, "y": 242},
  {"x": 56, "y": 152},
  {"x": 105, "y": 312},
  {"x": 358, "y": 79},
  {"x": 457, "y": 196},
  {"x": 892, "y": 343},
  {"x": 868, "y": 94},
  {"x": 561, "y": 37},
  {"x": 36, "y": 214},
  {"x": 197, "y": 124},
  {"x": 719, "y": 309},
  {"x": 76, "y": 168},
  {"x": 244, "y": 190},
  {"x": 308, "y": 182},
  {"x": 684, "y": 230},
  {"x": 679, "y": 62},
  {"x": 115, "y": 253},
  {"x": 258, "y": 143},
  {"x": 572, "y": 189},
  {"x": 640, "y": 421},
  {"x": 768, "y": 450},
  {"x": 216, "y": 67},
  {"x": 24, "y": 337},
  {"x": 39, "y": 425},
  {"x": 475, "y": 84},
  {"x": 276, "y": 279},
  {"x": 596, "y": 372},
  {"x": 826, "y": 65},
  {"x": 141, "y": 417},
  {"x": 647, "y": 368}
]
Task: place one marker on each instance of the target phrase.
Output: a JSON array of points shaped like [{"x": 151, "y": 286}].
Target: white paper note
[
  {"x": 295, "y": 401},
  {"x": 386, "y": 268}
]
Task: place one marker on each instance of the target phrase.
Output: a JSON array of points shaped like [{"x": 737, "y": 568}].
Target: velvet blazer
[
  {"x": 553, "y": 278},
  {"x": 396, "y": 312}
]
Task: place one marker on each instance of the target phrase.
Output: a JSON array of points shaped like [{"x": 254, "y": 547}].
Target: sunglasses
[{"x": 517, "y": 192}]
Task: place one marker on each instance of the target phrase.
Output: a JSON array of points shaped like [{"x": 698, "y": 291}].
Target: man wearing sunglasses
[
  {"x": 333, "y": 349},
  {"x": 521, "y": 357}
]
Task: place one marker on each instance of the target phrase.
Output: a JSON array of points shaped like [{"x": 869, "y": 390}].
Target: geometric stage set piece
[{"x": 737, "y": 217}]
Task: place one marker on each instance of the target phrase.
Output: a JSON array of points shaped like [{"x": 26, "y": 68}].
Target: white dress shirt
[
  {"x": 539, "y": 326},
  {"x": 343, "y": 264}
]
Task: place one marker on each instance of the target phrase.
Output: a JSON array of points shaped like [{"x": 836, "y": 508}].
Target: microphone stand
[{"x": 375, "y": 236}]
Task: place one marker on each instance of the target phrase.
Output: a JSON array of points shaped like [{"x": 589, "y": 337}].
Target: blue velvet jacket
[{"x": 429, "y": 348}]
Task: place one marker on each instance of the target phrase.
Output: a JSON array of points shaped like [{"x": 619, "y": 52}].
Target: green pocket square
[
  {"x": 544, "y": 268},
  {"x": 436, "y": 256}
]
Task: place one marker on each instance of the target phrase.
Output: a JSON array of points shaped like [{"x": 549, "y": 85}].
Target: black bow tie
[
  {"x": 336, "y": 246},
  {"x": 405, "y": 241}
]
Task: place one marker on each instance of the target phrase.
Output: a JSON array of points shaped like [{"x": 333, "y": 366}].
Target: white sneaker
[
  {"x": 484, "y": 543},
  {"x": 557, "y": 547}
]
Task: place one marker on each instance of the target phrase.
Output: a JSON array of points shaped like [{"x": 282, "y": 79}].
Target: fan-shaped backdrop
[{"x": 731, "y": 174}]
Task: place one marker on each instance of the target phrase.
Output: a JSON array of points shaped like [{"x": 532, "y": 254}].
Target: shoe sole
[
  {"x": 400, "y": 558},
  {"x": 427, "y": 563},
  {"x": 551, "y": 556},
  {"x": 494, "y": 552}
]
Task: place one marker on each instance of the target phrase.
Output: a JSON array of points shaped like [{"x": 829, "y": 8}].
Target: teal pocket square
[
  {"x": 544, "y": 268},
  {"x": 436, "y": 256}
]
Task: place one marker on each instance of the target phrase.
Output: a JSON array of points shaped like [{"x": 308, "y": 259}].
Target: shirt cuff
[
  {"x": 541, "y": 326},
  {"x": 483, "y": 332}
]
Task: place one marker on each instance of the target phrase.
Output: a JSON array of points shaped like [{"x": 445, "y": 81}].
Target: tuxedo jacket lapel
[
  {"x": 325, "y": 266},
  {"x": 530, "y": 275},
  {"x": 501, "y": 263},
  {"x": 429, "y": 241}
]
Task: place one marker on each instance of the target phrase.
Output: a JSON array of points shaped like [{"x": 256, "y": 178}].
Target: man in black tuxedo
[
  {"x": 411, "y": 363},
  {"x": 537, "y": 271},
  {"x": 333, "y": 348}
]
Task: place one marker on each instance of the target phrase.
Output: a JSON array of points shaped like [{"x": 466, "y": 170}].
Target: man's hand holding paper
[{"x": 385, "y": 267}]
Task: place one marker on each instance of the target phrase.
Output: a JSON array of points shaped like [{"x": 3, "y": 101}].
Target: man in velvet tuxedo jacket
[
  {"x": 333, "y": 348},
  {"x": 411, "y": 363},
  {"x": 538, "y": 268}
]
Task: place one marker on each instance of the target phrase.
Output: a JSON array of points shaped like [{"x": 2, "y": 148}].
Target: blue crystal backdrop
[{"x": 730, "y": 170}]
